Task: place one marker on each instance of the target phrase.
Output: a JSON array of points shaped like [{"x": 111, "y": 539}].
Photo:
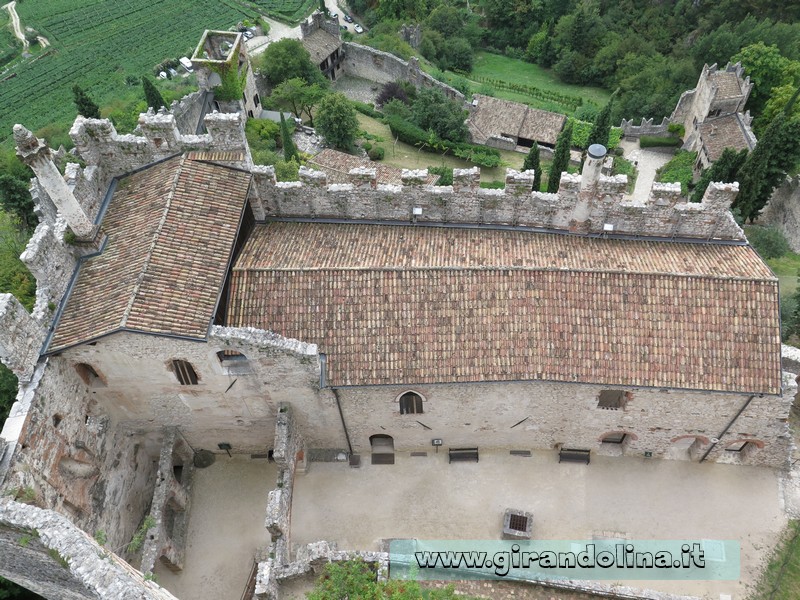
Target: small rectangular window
[
  {"x": 738, "y": 447},
  {"x": 612, "y": 399},
  {"x": 185, "y": 372},
  {"x": 614, "y": 438}
]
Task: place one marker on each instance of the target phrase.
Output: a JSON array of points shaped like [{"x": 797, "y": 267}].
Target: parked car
[
  {"x": 347, "y": 18},
  {"x": 248, "y": 35},
  {"x": 343, "y": 27},
  {"x": 334, "y": 15},
  {"x": 358, "y": 28}
]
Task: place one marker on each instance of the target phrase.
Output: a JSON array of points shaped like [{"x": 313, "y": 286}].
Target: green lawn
[
  {"x": 495, "y": 66},
  {"x": 781, "y": 579},
  {"x": 405, "y": 156},
  {"x": 97, "y": 43}
]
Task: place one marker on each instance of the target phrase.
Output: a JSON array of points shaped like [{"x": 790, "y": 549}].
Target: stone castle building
[
  {"x": 188, "y": 305},
  {"x": 712, "y": 115}
]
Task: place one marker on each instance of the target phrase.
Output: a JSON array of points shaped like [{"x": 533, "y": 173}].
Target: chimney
[
  {"x": 592, "y": 166},
  {"x": 36, "y": 154}
]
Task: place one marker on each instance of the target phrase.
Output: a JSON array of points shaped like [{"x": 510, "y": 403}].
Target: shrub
[
  {"x": 680, "y": 169},
  {"x": 377, "y": 153},
  {"x": 287, "y": 170},
  {"x": 651, "y": 141},
  {"x": 445, "y": 175},
  {"x": 769, "y": 242},
  {"x": 366, "y": 109},
  {"x": 416, "y": 136},
  {"x": 676, "y": 129}
]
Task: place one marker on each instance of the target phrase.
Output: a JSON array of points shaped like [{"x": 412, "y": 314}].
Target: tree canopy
[
  {"x": 337, "y": 122},
  {"x": 560, "y": 158},
  {"x": 287, "y": 59},
  {"x": 433, "y": 111},
  {"x": 85, "y": 105},
  {"x": 151, "y": 95}
]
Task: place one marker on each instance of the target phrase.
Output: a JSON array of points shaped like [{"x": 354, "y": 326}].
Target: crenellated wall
[{"x": 664, "y": 214}]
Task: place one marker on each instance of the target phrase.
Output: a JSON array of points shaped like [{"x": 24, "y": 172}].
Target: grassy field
[
  {"x": 405, "y": 156},
  {"x": 96, "y": 44},
  {"x": 511, "y": 70}
]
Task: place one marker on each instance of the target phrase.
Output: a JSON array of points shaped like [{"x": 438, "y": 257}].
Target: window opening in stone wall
[
  {"x": 89, "y": 375},
  {"x": 411, "y": 404},
  {"x": 185, "y": 372},
  {"x": 612, "y": 399}
]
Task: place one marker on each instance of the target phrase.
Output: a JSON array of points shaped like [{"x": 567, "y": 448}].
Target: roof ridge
[
  {"x": 241, "y": 269},
  {"x": 156, "y": 234}
]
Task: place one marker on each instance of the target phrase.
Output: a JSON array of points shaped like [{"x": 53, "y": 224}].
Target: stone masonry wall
[
  {"x": 187, "y": 112},
  {"x": 234, "y": 403},
  {"x": 541, "y": 415},
  {"x": 663, "y": 214},
  {"x": 64, "y": 452},
  {"x": 49, "y": 555},
  {"x": 783, "y": 211},
  {"x": 382, "y": 67}
]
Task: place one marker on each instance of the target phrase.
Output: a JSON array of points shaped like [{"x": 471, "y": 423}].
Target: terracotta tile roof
[
  {"x": 728, "y": 85},
  {"x": 337, "y": 165},
  {"x": 494, "y": 116},
  {"x": 726, "y": 131},
  {"x": 171, "y": 228},
  {"x": 320, "y": 45},
  {"x": 412, "y": 305}
]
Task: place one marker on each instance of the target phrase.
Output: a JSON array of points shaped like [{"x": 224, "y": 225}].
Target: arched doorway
[{"x": 382, "y": 448}]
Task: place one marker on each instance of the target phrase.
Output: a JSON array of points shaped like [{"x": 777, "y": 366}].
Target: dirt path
[{"x": 11, "y": 7}]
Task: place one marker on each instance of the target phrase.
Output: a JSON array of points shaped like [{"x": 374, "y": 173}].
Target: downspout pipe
[{"x": 724, "y": 431}]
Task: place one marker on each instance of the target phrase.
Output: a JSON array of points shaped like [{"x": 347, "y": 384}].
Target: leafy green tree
[
  {"x": 151, "y": 95},
  {"x": 768, "y": 69},
  {"x": 84, "y": 103},
  {"x": 560, "y": 158},
  {"x": 14, "y": 275},
  {"x": 433, "y": 111},
  {"x": 532, "y": 162},
  {"x": 287, "y": 59},
  {"x": 16, "y": 200},
  {"x": 602, "y": 126},
  {"x": 725, "y": 169},
  {"x": 289, "y": 95},
  {"x": 777, "y": 151},
  {"x": 337, "y": 122},
  {"x": 289, "y": 149}
]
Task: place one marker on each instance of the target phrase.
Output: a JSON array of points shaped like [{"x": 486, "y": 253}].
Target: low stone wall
[
  {"x": 46, "y": 553},
  {"x": 646, "y": 127},
  {"x": 382, "y": 67},
  {"x": 166, "y": 539}
]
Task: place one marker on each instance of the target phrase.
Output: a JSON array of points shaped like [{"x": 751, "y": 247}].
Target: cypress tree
[
  {"x": 602, "y": 125},
  {"x": 84, "y": 103},
  {"x": 289, "y": 149},
  {"x": 560, "y": 158},
  {"x": 532, "y": 162},
  {"x": 726, "y": 169},
  {"x": 152, "y": 95}
]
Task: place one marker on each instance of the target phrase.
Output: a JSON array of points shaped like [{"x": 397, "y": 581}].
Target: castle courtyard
[{"x": 632, "y": 498}]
